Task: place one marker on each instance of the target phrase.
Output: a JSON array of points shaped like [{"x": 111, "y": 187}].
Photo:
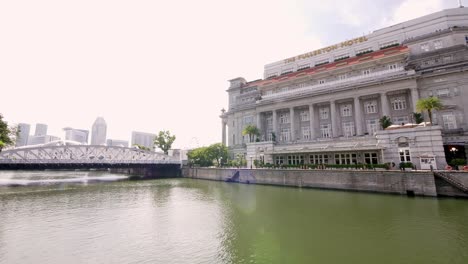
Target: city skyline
[{"x": 135, "y": 79}]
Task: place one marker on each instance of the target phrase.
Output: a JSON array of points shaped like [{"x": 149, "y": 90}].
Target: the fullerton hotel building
[{"x": 323, "y": 107}]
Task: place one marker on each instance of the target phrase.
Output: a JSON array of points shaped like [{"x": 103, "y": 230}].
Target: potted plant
[{"x": 458, "y": 163}]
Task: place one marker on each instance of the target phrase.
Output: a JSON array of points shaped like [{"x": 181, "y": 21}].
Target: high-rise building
[
  {"x": 38, "y": 140},
  {"x": 143, "y": 139},
  {"x": 23, "y": 136},
  {"x": 77, "y": 135},
  {"x": 324, "y": 106},
  {"x": 117, "y": 143},
  {"x": 98, "y": 132},
  {"x": 41, "y": 130}
]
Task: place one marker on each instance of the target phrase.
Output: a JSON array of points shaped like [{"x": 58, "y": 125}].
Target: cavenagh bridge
[{"x": 118, "y": 159}]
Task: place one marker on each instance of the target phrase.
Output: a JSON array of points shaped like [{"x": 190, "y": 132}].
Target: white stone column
[
  {"x": 223, "y": 137},
  {"x": 275, "y": 123},
  {"x": 312, "y": 122},
  {"x": 333, "y": 119},
  {"x": 259, "y": 123},
  {"x": 384, "y": 102},
  {"x": 293, "y": 127},
  {"x": 358, "y": 116},
  {"x": 414, "y": 98}
]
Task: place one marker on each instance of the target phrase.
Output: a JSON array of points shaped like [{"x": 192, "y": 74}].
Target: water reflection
[{"x": 194, "y": 221}]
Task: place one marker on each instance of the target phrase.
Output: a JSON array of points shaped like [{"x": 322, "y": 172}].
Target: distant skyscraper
[
  {"x": 117, "y": 143},
  {"x": 37, "y": 140},
  {"x": 41, "y": 130},
  {"x": 78, "y": 135},
  {"x": 143, "y": 139},
  {"x": 99, "y": 131},
  {"x": 23, "y": 136}
]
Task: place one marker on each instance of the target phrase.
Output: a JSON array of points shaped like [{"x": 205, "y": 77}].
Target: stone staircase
[
  {"x": 234, "y": 177},
  {"x": 446, "y": 176}
]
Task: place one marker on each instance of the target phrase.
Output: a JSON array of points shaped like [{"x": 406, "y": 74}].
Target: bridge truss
[{"x": 83, "y": 154}]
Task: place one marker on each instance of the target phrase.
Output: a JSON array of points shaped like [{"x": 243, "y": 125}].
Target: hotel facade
[{"x": 324, "y": 106}]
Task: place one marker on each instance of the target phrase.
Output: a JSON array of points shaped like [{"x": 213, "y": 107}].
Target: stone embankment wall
[{"x": 397, "y": 182}]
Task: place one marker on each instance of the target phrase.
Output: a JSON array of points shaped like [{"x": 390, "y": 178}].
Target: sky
[{"x": 151, "y": 65}]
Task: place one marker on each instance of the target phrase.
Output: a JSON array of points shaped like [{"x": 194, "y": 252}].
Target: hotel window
[
  {"x": 443, "y": 92},
  {"x": 269, "y": 121},
  {"x": 341, "y": 56},
  {"x": 400, "y": 120},
  {"x": 399, "y": 103},
  {"x": 425, "y": 47},
  {"x": 346, "y": 110},
  {"x": 438, "y": 44},
  {"x": 342, "y": 77},
  {"x": 325, "y": 130},
  {"x": 323, "y": 113},
  {"x": 304, "y": 115},
  {"x": 393, "y": 66},
  {"x": 364, "y": 51},
  {"x": 366, "y": 72},
  {"x": 348, "y": 129},
  {"x": 370, "y": 107},
  {"x": 283, "y": 89},
  {"x": 305, "y": 133},
  {"x": 272, "y": 75},
  {"x": 295, "y": 159},
  {"x": 388, "y": 44},
  {"x": 303, "y": 66},
  {"x": 346, "y": 158},
  {"x": 371, "y": 158},
  {"x": 248, "y": 120},
  {"x": 322, "y": 62},
  {"x": 450, "y": 122},
  {"x": 284, "y": 136},
  {"x": 269, "y": 92},
  {"x": 372, "y": 126},
  {"x": 279, "y": 160},
  {"x": 302, "y": 85},
  {"x": 269, "y": 134},
  {"x": 321, "y": 81},
  {"x": 405, "y": 155},
  {"x": 447, "y": 59},
  {"x": 286, "y": 71},
  {"x": 284, "y": 118},
  {"x": 319, "y": 159}
]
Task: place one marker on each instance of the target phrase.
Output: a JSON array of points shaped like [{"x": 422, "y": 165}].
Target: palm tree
[
  {"x": 429, "y": 104},
  {"x": 251, "y": 131},
  {"x": 2, "y": 145}
]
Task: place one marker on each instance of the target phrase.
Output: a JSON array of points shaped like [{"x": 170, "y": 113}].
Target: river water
[{"x": 92, "y": 217}]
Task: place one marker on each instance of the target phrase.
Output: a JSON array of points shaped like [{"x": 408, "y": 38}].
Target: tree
[
  {"x": 418, "y": 118},
  {"x": 218, "y": 152},
  {"x": 251, "y": 131},
  {"x": 429, "y": 104},
  {"x": 385, "y": 122},
  {"x": 141, "y": 147},
  {"x": 205, "y": 156},
  {"x": 164, "y": 141},
  {"x": 200, "y": 156},
  {"x": 7, "y": 135}
]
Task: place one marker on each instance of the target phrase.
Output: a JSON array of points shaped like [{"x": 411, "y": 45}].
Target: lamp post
[
  {"x": 453, "y": 150},
  {"x": 251, "y": 157}
]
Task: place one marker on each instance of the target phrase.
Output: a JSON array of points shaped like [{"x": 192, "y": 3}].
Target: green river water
[{"x": 91, "y": 217}]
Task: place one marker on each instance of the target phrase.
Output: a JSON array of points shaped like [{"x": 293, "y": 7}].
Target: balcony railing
[{"x": 374, "y": 76}]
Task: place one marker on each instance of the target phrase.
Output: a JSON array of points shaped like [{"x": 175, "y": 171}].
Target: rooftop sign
[{"x": 327, "y": 49}]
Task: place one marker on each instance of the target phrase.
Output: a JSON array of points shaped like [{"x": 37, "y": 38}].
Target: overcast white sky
[{"x": 153, "y": 65}]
